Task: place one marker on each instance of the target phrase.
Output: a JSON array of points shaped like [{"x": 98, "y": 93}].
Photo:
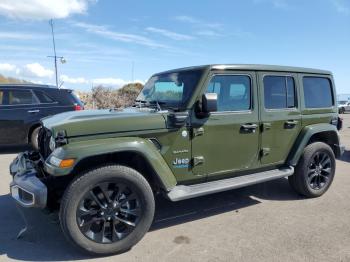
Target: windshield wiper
[
  {"x": 157, "y": 103},
  {"x": 150, "y": 103}
]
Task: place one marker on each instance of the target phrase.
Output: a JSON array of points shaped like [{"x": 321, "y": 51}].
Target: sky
[{"x": 113, "y": 42}]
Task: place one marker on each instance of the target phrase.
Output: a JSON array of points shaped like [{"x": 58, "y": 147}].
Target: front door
[
  {"x": 227, "y": 141},
  {"x": 280, "y": 116}
]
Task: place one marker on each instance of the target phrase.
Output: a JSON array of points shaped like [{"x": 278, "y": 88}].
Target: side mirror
[{"x": 209, "y": 102}]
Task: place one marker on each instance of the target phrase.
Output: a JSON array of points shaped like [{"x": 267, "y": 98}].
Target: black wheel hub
[
  {"x": 108, "y": 212},
  {"x": 319, "y": 170}
]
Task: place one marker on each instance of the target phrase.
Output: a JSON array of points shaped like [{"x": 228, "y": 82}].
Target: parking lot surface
[{"x": 265, "y": 222}]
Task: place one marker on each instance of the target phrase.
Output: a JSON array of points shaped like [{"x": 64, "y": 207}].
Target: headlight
[
  {"x": 52, "y": 144},
  {"x": 62, "y": 163},
  {"x": 55, "y": 161}
]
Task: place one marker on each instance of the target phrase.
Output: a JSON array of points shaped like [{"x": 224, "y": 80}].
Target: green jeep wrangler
[{"x": 191, "y": 132}]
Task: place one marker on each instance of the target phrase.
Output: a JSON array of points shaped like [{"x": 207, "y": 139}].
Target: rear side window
[
  {"x": 234, "y": 92},
  {"x": 21, "y": 97},
  {"x": 317, "y": 92},
  {"x": 279, "y": 92},
  {"x": 2, "y": 97},
  {"x": 43, "y": 98}
]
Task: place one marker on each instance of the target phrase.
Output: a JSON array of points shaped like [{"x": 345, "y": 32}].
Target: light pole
[{"x": 62, "y": 59}]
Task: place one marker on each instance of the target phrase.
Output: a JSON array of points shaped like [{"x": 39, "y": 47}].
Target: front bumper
[{"x": 26, "y": 188}]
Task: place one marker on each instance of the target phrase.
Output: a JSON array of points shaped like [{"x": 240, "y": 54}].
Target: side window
[
  {"x": 317, "y": 92},
  {"x": 21, "y": 97},
  {"x": 279, "y": 92},
  {"x": 234, "y": 92},
  {"x": 43, "y": 98},
  {"x": 2, "y": 97}
]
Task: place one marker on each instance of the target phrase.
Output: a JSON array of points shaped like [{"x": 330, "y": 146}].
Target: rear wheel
[
  {"x": 107, "y": 210},
  {"x": 315, "y": 170}
]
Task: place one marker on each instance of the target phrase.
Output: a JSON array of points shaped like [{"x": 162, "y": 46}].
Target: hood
[{"x": 93, "y": 122}]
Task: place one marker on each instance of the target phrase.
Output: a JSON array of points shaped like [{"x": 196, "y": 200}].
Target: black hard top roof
[{"x": 251, "y": 67}]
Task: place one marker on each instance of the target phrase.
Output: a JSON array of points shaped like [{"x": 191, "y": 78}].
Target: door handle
[
  {"x": 33, "y": 111},
  {"x": 290, "y": 123},
  {"x": 249, "y": 127}
]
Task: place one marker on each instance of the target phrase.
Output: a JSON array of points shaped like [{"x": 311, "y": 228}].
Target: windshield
[
  {"x": 170, "y": 90},
  {"x": 342, "y": 102}
]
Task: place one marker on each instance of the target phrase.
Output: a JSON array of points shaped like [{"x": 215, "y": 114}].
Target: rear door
[
  {"x": 280, "y": 116},
  {"x": 18, "y": 112},
  {"x": 48, "y": 105}
]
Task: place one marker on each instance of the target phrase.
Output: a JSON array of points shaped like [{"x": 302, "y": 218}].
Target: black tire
[
  {"x": 118, "y": 178},
  {"x": 342, "y": 110},
  {"x": 312, "y": 179},
  {"x": 34, "y": 138}
]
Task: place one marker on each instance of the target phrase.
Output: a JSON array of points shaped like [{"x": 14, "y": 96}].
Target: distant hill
[
  {"x": 6, "y": 80},
  {"x": 108, "y": 97}
]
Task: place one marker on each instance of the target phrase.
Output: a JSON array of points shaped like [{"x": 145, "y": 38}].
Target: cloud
[
  {"x": 113, "y": 82},
  {"x": 341, "y": 6},
  {"x": 203, "y": 28},
  {"x": 7, "y": 68},
  {"x": 209, "y": 33},
  {"x": 169, "y": 34},
  {"x": 20, "y": 35},
  {"x": 42, "y": 9},
  {"x": 198, "y": 22},
  {"x": 110, "y": 81},
  {"x": 34, "y": 70},
  {"x": 117, "y": 36},
  {"x": 282, "y": 4},
  {"x": 74, "y": 80}
]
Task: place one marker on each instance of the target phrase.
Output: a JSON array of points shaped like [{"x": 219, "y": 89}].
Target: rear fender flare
[{"x": 304, "y": 138}]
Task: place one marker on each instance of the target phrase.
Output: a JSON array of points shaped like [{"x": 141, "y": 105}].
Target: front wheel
[
  {"x": 107, "y": 210},
  {"x": 34, "y": 138},
  {"x": 342, "y": 110},
  {"x": 315, "y": 170}
]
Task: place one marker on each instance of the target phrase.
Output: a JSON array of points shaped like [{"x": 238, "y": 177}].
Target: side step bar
[{"x": 182, "y": 192}]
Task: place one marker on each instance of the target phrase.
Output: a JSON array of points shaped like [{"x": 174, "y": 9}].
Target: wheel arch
[
  {"x": 325, "y": 133},
  {"x": 30, "y": 131},
  {"x": 132, "y": 159}
]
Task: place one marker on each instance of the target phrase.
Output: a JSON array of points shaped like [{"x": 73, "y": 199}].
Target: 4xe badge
[{"x": 181, "y": 162}]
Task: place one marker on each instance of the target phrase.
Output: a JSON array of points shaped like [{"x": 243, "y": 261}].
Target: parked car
[
  {"x": 192, "y": 132},
  {"x": 23, "y": 105},
  {"x": 343, "y": 106}
]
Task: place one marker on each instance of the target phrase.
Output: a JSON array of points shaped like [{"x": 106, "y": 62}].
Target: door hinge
[
  {"x": 265, "y": 151},
  {"x": 197, "y": 131},
  {"x": 198, "y": 160},
  {"x": 265, "y": 126}
]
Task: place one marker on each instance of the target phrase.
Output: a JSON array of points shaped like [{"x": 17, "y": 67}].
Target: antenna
[
  {"x": 62, "y": 59},
  {"x": 132, "y": 71}
]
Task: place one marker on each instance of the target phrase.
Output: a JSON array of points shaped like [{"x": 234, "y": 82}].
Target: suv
[
  {"x": 23, "y": 105},
  {"x": 343, "y": 106},
  {"x": 192, "y": 132}
]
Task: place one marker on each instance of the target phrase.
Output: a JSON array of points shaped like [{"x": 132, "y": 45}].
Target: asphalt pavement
[{"x": 265, "y": 222}]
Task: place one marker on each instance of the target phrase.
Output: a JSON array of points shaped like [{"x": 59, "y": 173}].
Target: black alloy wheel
[
  {"x": 319, "y": 170},
  {"x": 314, "y": 173},
  {"x": 108, "y": 212}
]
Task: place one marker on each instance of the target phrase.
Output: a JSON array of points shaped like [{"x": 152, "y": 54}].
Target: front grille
[{"x": 44, "y": 142}]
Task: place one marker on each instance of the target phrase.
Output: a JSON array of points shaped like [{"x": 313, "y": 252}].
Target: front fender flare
[
  {"x": 304, "y": 138},
  {"x": 84, "y": 149}
]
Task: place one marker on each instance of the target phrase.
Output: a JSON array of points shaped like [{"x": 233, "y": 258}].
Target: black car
[{"x": 23, "y": 105}]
